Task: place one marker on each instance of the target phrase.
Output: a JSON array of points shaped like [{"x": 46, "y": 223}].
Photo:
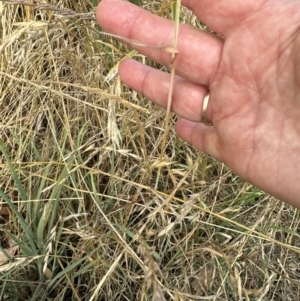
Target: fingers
[
  {"x": 199, "y": 52},
  {"x": 154, "y": 84},
  {"x": 203, "y": 137},
  {"x": 223, "y": 16}
]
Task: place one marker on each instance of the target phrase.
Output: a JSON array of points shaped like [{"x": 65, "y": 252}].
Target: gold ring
[{"x": 204, "y": 118}]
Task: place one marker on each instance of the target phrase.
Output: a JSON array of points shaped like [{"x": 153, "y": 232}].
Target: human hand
[{"x": 253, "y": 75}]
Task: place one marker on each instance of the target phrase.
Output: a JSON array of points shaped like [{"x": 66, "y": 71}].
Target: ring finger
[{"x": 187, "y": 97}]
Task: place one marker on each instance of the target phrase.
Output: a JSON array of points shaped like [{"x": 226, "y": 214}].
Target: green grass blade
[
  {"x": 137, "y": 2},
  {"x": 27, "y": 250},
  {"x": 18, "y": 183},
  {"x": 28, "y": 233}
]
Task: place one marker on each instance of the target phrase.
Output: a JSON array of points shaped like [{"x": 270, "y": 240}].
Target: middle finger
[{"x": 199, "y": 52}]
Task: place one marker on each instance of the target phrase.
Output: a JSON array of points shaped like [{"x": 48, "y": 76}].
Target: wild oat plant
[{"x": 92, "y": 207}]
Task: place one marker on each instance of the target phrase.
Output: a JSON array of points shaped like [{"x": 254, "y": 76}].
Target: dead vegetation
[{"x": 80, "y": 153}]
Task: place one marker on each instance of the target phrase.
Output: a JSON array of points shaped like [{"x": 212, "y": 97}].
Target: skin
[{"x": 253, "y": 75}]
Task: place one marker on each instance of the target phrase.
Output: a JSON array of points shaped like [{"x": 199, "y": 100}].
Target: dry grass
[{"x": 80, "y": 154}]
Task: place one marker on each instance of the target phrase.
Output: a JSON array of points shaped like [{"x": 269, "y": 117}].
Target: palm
[
  {"x": 255, "y": 109},
  {"x": 253, "y": 82}
]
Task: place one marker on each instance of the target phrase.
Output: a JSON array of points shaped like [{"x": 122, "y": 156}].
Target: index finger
[
  {"x": 223, "y": 16},
  {"x": 199, "y": 52}
]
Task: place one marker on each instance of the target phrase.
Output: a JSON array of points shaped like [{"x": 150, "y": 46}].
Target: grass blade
[{"x": 19, "y": 185}]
